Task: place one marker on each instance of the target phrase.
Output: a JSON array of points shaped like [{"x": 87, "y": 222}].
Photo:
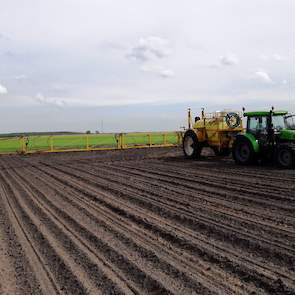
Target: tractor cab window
[
  {"x": 278, "y": 123},
  {"x": 257, "y": 125},
  {"x": 290, "y": 122}
]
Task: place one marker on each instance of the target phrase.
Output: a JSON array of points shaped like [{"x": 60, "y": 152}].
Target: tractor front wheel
[
  {"x": 191, "y": 146},
  {"x": 285, "y": 157},
  {"x": 243, "y": 152}
]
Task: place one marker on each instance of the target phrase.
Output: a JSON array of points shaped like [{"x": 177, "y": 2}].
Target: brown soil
[{"x": 144, "y": 222}]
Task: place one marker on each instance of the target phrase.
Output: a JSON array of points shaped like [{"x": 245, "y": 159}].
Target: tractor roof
[{"x": 264, "y": 113}]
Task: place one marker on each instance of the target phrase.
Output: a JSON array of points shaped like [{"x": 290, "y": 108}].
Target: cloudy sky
[{"x": 137, "y": 65}]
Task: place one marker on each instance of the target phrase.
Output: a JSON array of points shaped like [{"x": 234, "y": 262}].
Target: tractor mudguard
[
  {"x": 190, "y": 131},
  {"x": 252, "y": 140},
  {"x": 287, "y": 134}
]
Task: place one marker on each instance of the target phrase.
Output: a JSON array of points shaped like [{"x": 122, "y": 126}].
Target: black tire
[
  {"x": 233, "y": 120},
  {"x": 191, "y": 146},
  {"x": 224, "y": 152},
  {"x": 243, "y": 152},
  {"x": 285, "y": 157}
]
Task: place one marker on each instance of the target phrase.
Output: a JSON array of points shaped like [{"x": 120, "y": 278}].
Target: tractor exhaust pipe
[{"x": 189, "y": 118}]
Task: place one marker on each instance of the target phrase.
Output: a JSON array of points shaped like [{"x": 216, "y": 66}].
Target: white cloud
[
  {"x": 166, "y": 73},
  {"x": 148, "y": 52},
  {"x": 20, "y": 77},
  {"x": 263, "y": 77},
  {"x": 161, "y": 71},
  {"x": 278, "y": 57},
  {"x": 3, "y": 89},
  {"x": 150, "y": 48},
  {"x": 229, "y": 60},
  {"x": 273, "y": 57},
  {"x": 53, "y": 101},
  {"x": 284, "y": 82}
]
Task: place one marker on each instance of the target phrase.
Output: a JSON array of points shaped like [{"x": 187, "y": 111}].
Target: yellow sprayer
[{"x": 215, "y": 130}]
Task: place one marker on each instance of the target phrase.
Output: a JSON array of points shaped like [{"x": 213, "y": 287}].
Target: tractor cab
[
  {"x": 275, "y": 126},
  {"x": 290, "y": 122},
  {"x": 269, "y": 135}
]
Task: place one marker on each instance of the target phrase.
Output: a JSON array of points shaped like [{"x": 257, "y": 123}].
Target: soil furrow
[
  {"x": 145, "y": 222},
  {"x": 131, "y": 272},
  {"x": 191, "y": 201},
  {"x": 63, "y": 281},
  {"x": 127, "y": 229},
  {"x": 17, "y": 275},
  {"x": 167, "y": 235},
  {"x": 214, "y": 187},
  {"x": 232, "y": 175},
  {"x": 191, "y": 221}
]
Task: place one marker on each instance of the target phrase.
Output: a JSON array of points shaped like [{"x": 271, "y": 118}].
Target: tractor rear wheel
[
  {"x": 285, "y": 157},
  {"x": 192, "y": 148},
  {"x": 243, "y": 152}
]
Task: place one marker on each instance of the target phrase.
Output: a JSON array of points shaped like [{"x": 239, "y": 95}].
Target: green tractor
[{"x": 269, "y": 136}]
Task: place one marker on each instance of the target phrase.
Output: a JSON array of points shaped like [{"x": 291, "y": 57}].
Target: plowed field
[{"x": 144, "y": 222}]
